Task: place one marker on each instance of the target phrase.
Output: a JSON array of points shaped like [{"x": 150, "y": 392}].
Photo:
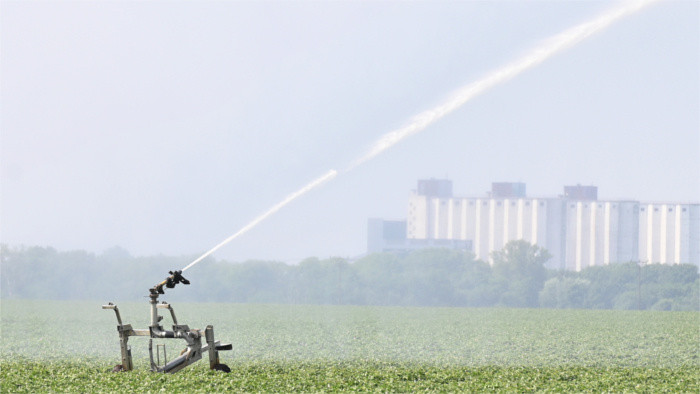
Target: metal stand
[{"x": 193, "y": 337}]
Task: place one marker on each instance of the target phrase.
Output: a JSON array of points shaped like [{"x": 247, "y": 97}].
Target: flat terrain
[{"x": 72, "y": 346}]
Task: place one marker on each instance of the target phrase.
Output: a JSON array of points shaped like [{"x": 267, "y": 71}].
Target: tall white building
[
  {"x": 576, "y": 228},
  {"x": 490, "y": 222},
  {"x": 669, "y": 233},
  {"x": 600, "y": 233}
]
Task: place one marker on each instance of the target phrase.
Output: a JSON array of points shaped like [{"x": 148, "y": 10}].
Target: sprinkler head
[
  {"x": 175, "y": 278},
  {"x": 169, "y": 282}
]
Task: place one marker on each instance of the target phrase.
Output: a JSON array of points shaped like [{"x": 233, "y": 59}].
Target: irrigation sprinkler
[{"x": 193, "y": 337}]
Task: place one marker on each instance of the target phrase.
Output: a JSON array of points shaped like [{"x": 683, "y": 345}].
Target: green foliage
[
  {"x": 564, "y": 292},
  {"x": 429, "y": 277},
  {"x": 440, "y": 336},
  {"x": 44, "y": 273},
  {"x": 286, "y": 348},
  {"x": 519, "y": 269},
  {"x": 285, "y": 377}
]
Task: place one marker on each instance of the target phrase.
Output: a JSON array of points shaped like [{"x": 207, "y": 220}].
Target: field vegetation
[
  {"x": 435, "y": 320},
  {"x": 72, "y": 346}
]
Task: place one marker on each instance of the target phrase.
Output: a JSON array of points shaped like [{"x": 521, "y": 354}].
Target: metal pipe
[
  {"x": 116, "y": 310},
  {"x": 164, "y": 305},
  {"x": 213, "y": 353},
  {"x": 154, "y": 310},
  {"x": 178, "y": 363}
]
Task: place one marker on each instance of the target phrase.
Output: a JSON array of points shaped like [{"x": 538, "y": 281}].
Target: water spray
[
  {"x": 328, "y": 176},
  {"x": 421, "y": 121},
  {"x": 550, "y": 47},
  {"x": 193, "y": 337}
]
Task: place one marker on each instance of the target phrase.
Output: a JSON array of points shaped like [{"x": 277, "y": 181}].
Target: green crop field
[{"x": 50, "y": 346}]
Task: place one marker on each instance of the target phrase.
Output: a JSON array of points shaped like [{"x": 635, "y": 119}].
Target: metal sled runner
[{"x": 193, "y": 337}]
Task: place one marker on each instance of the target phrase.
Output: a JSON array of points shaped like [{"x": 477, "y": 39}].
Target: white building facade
[
  {"x": 669, "y": 233},
  {"x": 489, "y": 223},
  {"x": 577, "y": 229},
  {"x": 600, "y": 233}
]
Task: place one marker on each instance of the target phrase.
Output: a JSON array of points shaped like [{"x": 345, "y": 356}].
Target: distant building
[
  {"x": 579, "y": 192},
  {"x": 599, "y": 232},
  {"x": 385, "y": 235},
  {"x": 390, "y": 236},
  {"x": 489, "y": 222},
  {"x": 669, "y": 233},
  {"x": 435, "y": 188},
  {"x": 508, "y": 190},
  {"x": 577, "y": 229}
]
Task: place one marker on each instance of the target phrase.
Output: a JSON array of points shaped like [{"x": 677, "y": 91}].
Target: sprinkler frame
[{"x": 193, "y": 337}]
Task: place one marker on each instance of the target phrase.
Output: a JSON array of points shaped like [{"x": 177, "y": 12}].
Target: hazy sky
[{"x": 164, "y": 127}]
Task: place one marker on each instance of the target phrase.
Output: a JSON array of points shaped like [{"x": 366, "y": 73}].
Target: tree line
[{"x": 430, "y": 277}]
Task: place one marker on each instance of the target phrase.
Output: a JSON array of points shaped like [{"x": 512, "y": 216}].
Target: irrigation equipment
[{"x": 193, "y": 337}]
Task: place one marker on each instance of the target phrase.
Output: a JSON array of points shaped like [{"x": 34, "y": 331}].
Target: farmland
[{"x": 71, "y": 346}]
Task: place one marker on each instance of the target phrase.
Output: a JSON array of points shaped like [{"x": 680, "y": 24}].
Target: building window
[
  {"x": 541, "y": 204},
  {"x": 498, "y": 203},
  {"x": 683, "y": 209},
  {"x": 670, "y": 209},
  {"x": 641, "y": 209}
]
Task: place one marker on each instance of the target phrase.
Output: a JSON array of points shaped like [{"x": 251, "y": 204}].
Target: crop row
[
  {"x": 55, "y": 330},
  {"x": 71, "y": 375}
]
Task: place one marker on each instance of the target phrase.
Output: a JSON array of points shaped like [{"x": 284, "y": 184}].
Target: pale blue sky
[{"x": 164, "y": 127}]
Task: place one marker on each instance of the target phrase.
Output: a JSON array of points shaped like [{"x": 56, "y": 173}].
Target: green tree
[
  {"x": 381, "y": 279},
  {"x": 519, "y": 273},
  {"x": 564, "y": 292},
  {"x": 439, "y": 277},
  {"x": 320, "y": 281}
]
